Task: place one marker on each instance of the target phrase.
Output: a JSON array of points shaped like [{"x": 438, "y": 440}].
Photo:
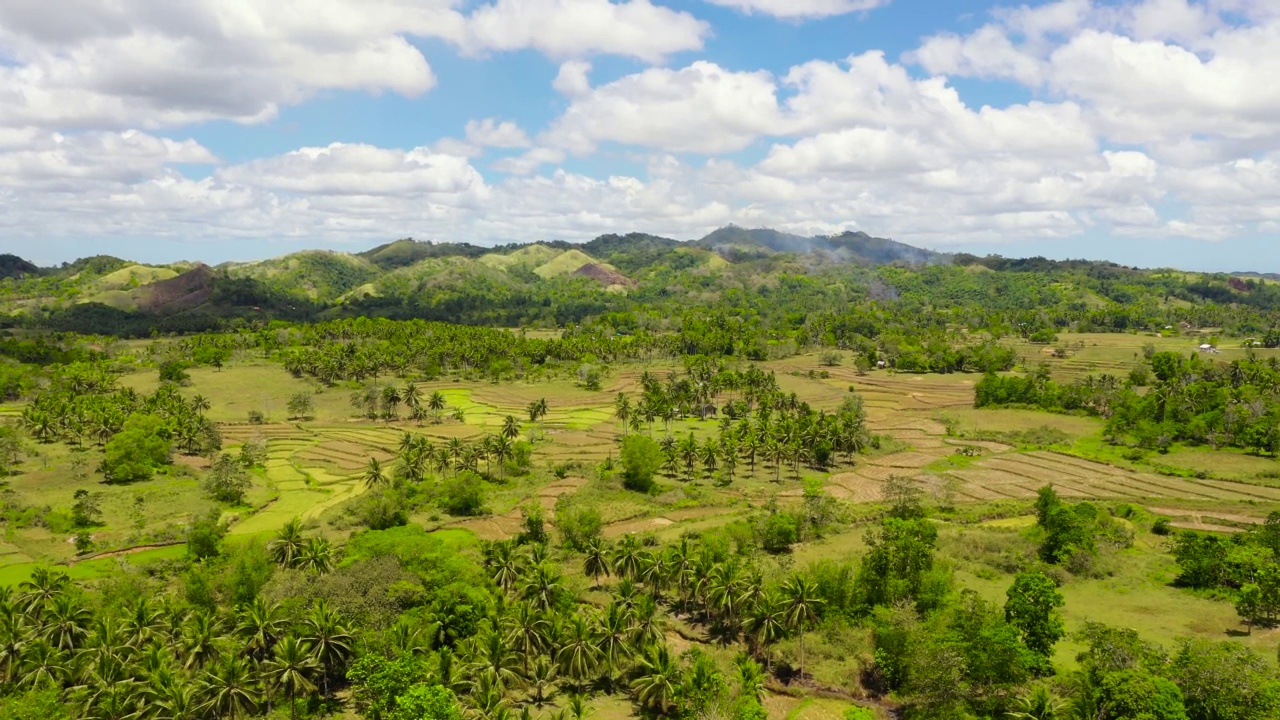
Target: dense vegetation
[{"x": 927, "y": 607}]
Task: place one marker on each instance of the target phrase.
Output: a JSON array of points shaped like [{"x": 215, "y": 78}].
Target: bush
[
  {"x": 301, "y": 405},
  {"x": 1162, "y": 526},
  {"x": 204, "y": 537},
  {"x": 382, "y": 509},
  {"x": 227, "y": 480},
  {"x": 779, "y": 532},
  {"x": 174, "y": 371},
  {"x": 142, "y": 446},
  {"x": 641, "y": 458},
  {"x": 578, "y": 526},
  {"x": 256, "y": 417},
  {"x": 463, "y": 495}
]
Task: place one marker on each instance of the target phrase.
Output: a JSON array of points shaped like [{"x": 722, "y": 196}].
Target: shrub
[
  {"x": 256, "y": 417},
  {"x": 641, "y": 458},
  {"x": 463, "y": 495},
  {"x": 227, "y": 480},
  {"x": 779, "y": 532},
  {"x": 1162, "y": 526},
  {"x": 142, "y": 446},
  {"x": 578, "y": 526},
  {"x": 174, "y": 371},
  {"x": 204, "y": 536}
]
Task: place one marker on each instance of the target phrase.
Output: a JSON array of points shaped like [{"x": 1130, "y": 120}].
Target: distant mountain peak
[{"x": 848, "y": 246}]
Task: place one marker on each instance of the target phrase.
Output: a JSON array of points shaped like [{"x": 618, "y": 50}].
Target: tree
[
  {"x": 286, "y": 547},
  {"x": 427, "y": 702},
  {"x": 374, "y": 475},
  {"x": 204, "y": 536},
  {"x": 1224, "y": 681},
  {"x": 227, "y": 480},
  {"x": 301, "y": 405},
  {"x": 641, "y": 458},
  {"x": 658, "y": 680},
  {"x": 1032, "y": 607},
  {"x": 596, "y": 562},
  {"x": 463, "y": 494},
  {"x": 230, "y": 688},
  {"x": 142, "y": 446},
  {"x": 86, "y": 511},
  {"x": 800, "y": 607},
  {"x": 1140, "y": 695},
  {"x": 290, "y": 670}
]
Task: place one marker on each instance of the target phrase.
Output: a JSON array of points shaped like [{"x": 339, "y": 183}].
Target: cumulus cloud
[
  {"x": 494, "y": 133},
  {"x": 572, "y": 28},
  {"x": 797, "y": 9}
]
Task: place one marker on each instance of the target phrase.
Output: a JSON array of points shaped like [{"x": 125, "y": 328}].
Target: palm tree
[
  {"x": 767, "y": 623},
  {"x": 527, "y": 629},
  {"x": 317, "y": 556},
  {"x": 287, "y": 545},
  {"x": 411, "y": 395},
  {"x": 537, "y": 409},
  {"x": 260, "y": 625},
  {"x": 800, "y": 607},
  {"x": 229, "y": 688},
  {"x": 543, "y": 588},
  {"x": 503, "y": 563},
  {"x": 391, "y": 402},
  {"x": 647, "y": 625},
  {"x": 201, "y": 636},
  {"x": 502, "y": 449},
  {"x": 374, "y": 474},
  {"x": 578, "y": 654},
  {"x": 1039, "y": 704},
  {"x": 542, "y": 679},
  {"x": 437, "y": 404},
  {"x": 495, "y": 655},
  {"x": 510, "y": 427},
  {"x": 200, "y": 404},
  {"x": 658, "y": 681},
  {"x": 626, "y": 559},
  {"x": 622, "y": 410},
  {"x": 291, "y": 670},
  {"x": 613, "y": 638},
  {"x": 596, "y": 561},
  {"x": 66, "y": 623},
  {"x": 43, "y": 664}
]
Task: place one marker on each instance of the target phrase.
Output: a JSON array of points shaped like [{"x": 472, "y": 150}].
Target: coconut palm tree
[
  {"x": 261, "y": 624},
  {"x": 290, "y": 670},
  {"x": 412, "y": 396},
  {"x": 578, "y": 655},
  {"x": 317, "y": 556},
  {"x": 658, "y": 681},
  {"x": 626, "y": 558},
  {"x": 286, "y": 547},
  {"x": 374, "y": 474},
  {"x": 527, "y": 629},
  {"x": 67, "y": 623},
  {"x": 495, "y": 654},
  {"x": 510, "y": 427},
  {"x": 437, "y": 403},
  {"x": 543, "y": 587},
  {"x": 800, "y": 607},
  {"x": 42, "y": 664},
  {"x": 596, "y": 560},
  {"x": 229, "y": 688},
  {"x": 201, "y": 637},
  {"x": 647, "y": 626},
  {"x": 503, "y": 562},
  {"x": 622, "y": 410},
  {"x": 766, "y": 624}
]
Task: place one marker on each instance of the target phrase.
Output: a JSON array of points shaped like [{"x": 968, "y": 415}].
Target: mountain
[
  {"x": 14, "y": 266},
  {"x": 737, "y": 243}
]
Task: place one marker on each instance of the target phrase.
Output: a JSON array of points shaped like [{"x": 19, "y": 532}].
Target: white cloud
[
  {"x": 573, "y": 28},
  {"x": 572, "y": 79},
  {"x": 699, "y": 108},
  {"x": 360, "y": 170},
  {"x": 115, "y": 64},
  {"x": 794, "y": 9},
  {"x": 494, "y": 133},
  {"x": 530, "y": 161}
]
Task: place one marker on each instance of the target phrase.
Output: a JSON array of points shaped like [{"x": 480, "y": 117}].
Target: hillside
[
  {"x": 764, "y": 272},
  {"x": 736, "y": 242}
]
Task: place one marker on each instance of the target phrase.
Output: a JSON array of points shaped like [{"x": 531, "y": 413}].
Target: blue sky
[{"x": 1142, "y": 131}]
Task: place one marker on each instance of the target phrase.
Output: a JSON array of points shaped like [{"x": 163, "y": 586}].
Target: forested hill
[{"x": 789, "y": 283}]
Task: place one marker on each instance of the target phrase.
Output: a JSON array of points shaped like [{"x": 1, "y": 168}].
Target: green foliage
[
  {"x": 1032, "y": 608},
  {"x": 87, "y": 509},
  {"x": 35, "y": 704},
  {"x": 1140, "y": 695},
  {"x": 641, "y": 458},
  {"x": 1072, "y": 533},
  {"x": 227, "y": 481},
  {"x": 578, "y": 525},
  {"x": 899, "y": 566},
  {"x": 204, "y": 536},
  {"x": 175, "y": 371},
  {"x": 1224, "y": 681},
  {"x": 427, "y": 702},
  {"x": 378, "y": 683},
  {"x": 301, "y": 405},
  {"x": 142, "y": 446},
  {"x": 779, "y": 531},
  {"x": 463, "y": 494}
]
